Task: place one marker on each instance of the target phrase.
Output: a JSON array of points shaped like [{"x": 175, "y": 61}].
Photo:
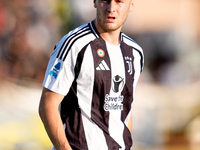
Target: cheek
[
  {"x": 99, "y": 17},
  {"x": 125, "y": 13},
  {"x": 124, "y": 17}
]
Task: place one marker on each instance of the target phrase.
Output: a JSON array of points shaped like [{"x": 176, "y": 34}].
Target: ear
[
  {"x": 131, "y": 6},
  {"x": 94, "y": 1}
]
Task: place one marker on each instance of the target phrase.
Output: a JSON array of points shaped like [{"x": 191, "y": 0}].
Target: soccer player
[{"x": 90, "y": 81}]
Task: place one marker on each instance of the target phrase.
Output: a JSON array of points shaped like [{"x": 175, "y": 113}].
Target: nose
[{"x": 112, "y": 6}]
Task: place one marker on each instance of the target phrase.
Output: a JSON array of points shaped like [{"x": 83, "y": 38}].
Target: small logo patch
[
  {"x": 130, "y": 66},
  {"x": 56, "y": 69},
  {"x": 118, "y": 84},
  {"x": 101, "y": 53},
  {"x": 102, "y": 66}
]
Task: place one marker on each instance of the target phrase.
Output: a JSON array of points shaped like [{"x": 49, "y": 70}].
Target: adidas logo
[{"x": 103, "y": 66}]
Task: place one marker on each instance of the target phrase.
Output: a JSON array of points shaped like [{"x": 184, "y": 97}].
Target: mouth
[{"x": 111, "y": 18}]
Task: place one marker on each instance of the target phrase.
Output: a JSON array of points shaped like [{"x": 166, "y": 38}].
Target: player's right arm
[{"x": 50, "y": 116}]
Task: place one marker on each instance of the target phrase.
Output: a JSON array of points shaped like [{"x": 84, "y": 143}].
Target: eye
[
  {"x": 106, "y": 1},
  {"x": 119, "y": 1}
]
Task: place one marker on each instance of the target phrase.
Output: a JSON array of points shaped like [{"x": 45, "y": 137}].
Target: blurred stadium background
[{"x": 166, "y": 112}]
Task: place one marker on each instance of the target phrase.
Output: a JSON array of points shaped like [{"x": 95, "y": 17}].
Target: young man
[{"x": 89, "y": 83}]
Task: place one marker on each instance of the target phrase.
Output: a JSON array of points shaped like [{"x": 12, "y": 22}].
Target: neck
[{"x": 112, "y": 37}]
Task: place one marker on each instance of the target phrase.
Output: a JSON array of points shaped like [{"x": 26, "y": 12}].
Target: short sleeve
[{"x": 59, "y": 74}]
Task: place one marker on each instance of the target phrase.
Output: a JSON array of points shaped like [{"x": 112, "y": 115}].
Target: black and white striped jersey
[{"x": 98, "y": 80}]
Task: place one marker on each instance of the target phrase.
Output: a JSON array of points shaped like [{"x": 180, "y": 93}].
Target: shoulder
[
  {"x": 76, "y": 39},
  {"x": 136, "y": 48},
  {"x": 77, "y": 33},
  {"x": 80, "y": 32},
  {"x": 129, "y": 41}
]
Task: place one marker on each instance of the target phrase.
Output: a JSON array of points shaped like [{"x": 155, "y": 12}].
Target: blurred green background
[{"x": 166, "y": 113}]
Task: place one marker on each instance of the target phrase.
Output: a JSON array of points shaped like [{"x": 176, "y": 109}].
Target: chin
[{"x": 111, "y": 28}]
